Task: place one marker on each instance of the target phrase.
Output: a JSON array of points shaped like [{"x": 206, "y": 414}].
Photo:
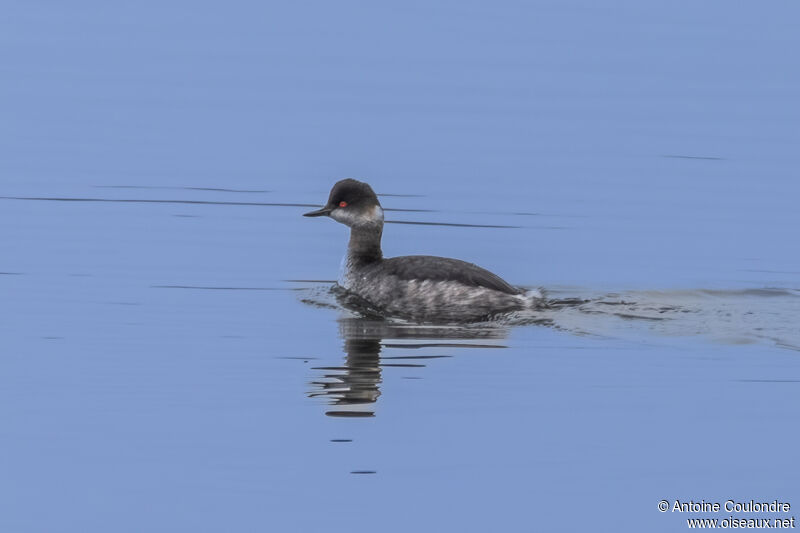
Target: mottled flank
[
  {"x": 431, "y": 300},
  {"x": 426, "y": 267}
]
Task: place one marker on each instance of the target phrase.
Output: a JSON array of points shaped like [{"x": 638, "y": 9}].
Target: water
[{"x": 173, "y": 360}]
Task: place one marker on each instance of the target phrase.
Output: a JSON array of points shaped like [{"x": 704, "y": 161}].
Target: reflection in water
[
  {"x": 354, "y": 387},
  {"x": 356, "y": 383},
  {"x": 733, "y": 317},
  {"x": 744, "y": 316}
]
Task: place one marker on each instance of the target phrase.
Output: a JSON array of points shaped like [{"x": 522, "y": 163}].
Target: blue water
[{"x": 171, "y": 358}]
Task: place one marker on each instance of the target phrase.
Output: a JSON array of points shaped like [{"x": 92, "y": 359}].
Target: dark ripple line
[
  {"x": 768, "y": 380},
  {"x": 223, "y": 189},
  {"x": 524, "y": 214},
  {"x": 442, "y": 345},
  {"x": 310, "y": 280},
  {"x": 694, "y": 157},
  {"x": 416, "y": 357},
  {"x": 350, "y": 414},
  {"x": 196, "y": 202},
  {"x": 149, "y": 201},
  {"x": 215, "y": 189},
  {"x": 363, "y": 368},
  {"x": 639, "y": 317},
  {"x": 220, "y": 288},
  {"x": 771, "y": 271},
  {"x": 452, "y": 224}
]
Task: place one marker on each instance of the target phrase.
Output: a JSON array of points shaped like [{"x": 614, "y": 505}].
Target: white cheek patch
[
  {"x": 371, "y": 217},
  {"x": 350, "y": 217},
  {"x": 344, "y": 216}
]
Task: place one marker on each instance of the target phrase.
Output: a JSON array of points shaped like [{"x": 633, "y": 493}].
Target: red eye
[{"x": 342, "y": 204}]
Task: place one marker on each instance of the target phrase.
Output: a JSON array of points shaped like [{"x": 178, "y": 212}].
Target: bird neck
[{"x": 365, "y": 244}]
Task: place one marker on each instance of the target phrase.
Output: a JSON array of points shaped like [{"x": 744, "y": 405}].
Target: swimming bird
[{"x": 421, "y": 288}]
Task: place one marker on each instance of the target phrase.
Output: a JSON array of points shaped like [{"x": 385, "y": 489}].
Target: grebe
[{"x": 417, "y": 287}]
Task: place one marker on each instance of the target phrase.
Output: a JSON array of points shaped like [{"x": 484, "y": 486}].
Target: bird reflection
[
  {"x": 354, "y": 387},
  {"x": 356, "y": 383}
]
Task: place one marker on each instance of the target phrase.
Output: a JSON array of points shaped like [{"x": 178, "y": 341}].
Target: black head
[{"x": 353, "y": 203}]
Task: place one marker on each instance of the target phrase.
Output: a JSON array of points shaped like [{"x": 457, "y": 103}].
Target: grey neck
[{"x": 365, "y": 244}]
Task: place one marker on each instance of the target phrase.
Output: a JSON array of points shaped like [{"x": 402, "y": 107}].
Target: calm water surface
[{"x": 172, "y": 356}]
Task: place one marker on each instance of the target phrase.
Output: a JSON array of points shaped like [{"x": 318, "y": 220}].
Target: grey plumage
[
  {"x": 428, "y": 267},
  {"x": 418, "y": 287}
]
